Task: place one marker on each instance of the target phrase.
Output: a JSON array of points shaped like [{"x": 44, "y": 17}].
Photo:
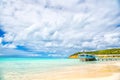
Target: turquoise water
[
  {"x": 33, "y": 64},
  {"x": 19, "y": 66}
]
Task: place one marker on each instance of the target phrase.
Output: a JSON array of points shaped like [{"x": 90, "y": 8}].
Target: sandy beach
[{"x": 104, "y": 71}]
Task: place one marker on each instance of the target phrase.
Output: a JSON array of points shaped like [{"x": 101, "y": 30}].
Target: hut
[{"x": 87, "y": 57}]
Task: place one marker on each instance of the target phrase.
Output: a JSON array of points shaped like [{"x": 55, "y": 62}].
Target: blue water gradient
[{"x": 20, "y": 66}]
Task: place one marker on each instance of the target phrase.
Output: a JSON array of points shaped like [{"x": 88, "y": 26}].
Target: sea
[{"x": 12, "y": 66}]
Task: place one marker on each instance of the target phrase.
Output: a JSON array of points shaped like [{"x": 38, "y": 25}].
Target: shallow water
[
  {"x": 11, "y": 67},
  {"x": 41, "y": 65}
]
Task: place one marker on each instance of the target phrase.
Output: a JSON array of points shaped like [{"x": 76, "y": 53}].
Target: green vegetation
[{"x": 99, "y": 52}]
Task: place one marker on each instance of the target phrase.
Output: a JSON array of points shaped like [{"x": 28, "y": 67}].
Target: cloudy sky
[{"x": 58, "y": 28}]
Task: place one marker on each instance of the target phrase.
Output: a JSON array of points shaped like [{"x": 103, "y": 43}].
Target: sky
[{"x": 57, "y": 28}]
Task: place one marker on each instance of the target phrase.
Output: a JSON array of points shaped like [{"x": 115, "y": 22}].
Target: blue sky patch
[
  {"x": 118, "y": 25},
  {"x": 2, "y": 33},
  {"x": 22, "y": 48},
  {"x": 5, "y": 42}
]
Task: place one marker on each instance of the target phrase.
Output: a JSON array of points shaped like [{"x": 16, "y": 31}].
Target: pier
[{"x": 108, "y": 57}]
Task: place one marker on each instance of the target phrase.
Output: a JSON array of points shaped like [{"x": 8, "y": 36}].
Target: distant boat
[{"x": 87, "y": 57}]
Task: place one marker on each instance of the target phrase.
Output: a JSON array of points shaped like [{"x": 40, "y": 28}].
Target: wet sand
[{"x": 102, "y": 71}]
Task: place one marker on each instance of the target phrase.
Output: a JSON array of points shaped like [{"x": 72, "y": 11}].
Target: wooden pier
[{"x": 108, "y": 57}]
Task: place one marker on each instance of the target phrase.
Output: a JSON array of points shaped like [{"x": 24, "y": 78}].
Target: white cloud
[
  {"x": 9, "y": 46},
  {"x": 0, "y": 40},
  {"x": 64, "y": 26}
]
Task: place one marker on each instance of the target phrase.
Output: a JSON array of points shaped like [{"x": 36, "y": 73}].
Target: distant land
[{"x": 98, "y": 52}]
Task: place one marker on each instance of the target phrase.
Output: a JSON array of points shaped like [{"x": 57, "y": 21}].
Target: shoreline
[{"x": 109, "y": 70}]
